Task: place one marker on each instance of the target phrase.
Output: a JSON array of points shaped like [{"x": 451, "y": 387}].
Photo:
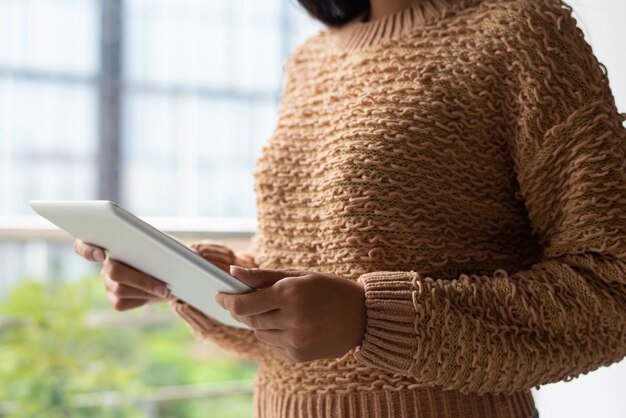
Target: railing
[
  {"x": 32, "y": 237},
  {"x": 149, "y": 404},
  {"x": 22, "y": 228},
  {"x": 233, "y": 231}
]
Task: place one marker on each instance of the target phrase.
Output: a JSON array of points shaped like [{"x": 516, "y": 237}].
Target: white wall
[
  {"x": 599, "y": 394},
  {"x": 602, "y": 393},
  {"x": 604, "y": 25}
]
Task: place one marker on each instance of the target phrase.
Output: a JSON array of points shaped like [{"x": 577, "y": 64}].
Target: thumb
[{"x": 261, "y": 278}]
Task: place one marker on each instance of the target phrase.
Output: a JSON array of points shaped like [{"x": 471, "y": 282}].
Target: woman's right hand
[{"x": 126, "y": 287}]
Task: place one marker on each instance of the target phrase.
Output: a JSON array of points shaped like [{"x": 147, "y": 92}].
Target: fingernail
[
  {"x": 235, "y": 269},
  {"x": 98, "y": 255},
  {"x": 218, "y": 299},
  {"x": 160, "y": 291}
]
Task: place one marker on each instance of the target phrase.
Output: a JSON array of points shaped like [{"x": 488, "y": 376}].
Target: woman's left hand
[{"x": 302, "y": 315}]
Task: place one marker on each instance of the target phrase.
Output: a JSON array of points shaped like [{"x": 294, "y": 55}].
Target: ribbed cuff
[{"x": 390, "y": 341}]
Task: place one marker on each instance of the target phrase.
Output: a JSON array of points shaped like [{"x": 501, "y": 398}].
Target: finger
[
  {"x": 213, "y": 251},
  {"x": 273, "y": 346},
  {"x": 217, "y": 258},
  {"x": 272, "y": 320},
  {"x": 252, "y": 303},
  {"x": 89, "y": 251},
  {"x": 156, "y": 300},
  {"x": 243, "y": 260},
  {"x": 275, "y": 338},
  {"x": 261, "y": 278},
  {"x": 283, "y": 352},
  {"x": 127, "y": 292},
  {"x": 126, "y": 275},
  {"x": 124, "y": 304},
  {"x": 221, "y": 266},
  {"x": 208, "y": 243}
]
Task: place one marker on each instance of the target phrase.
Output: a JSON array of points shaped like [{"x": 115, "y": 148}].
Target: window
[
  {"x": 199, "y": 86},
  {"x": 161, "y": 105},
  {"x": 48, "y": 102}
]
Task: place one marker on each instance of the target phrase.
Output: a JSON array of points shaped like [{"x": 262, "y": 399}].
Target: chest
[
  {"x": 400, "y": 121},
  {"x": 376, "y": 155}
]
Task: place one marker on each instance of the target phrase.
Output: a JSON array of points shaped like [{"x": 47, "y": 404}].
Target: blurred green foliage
[{"x": 49, "y": 353}]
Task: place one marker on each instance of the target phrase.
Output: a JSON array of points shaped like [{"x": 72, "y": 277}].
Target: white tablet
[{"x": 132, "y": 241}]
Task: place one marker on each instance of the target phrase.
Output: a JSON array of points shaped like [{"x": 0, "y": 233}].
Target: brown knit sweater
[{"x": 464, "y": 159}]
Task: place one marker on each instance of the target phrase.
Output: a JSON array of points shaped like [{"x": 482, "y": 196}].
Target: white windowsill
[{"x": 22, "y": 228}]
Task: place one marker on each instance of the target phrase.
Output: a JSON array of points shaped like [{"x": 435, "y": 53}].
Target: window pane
[
  {"x": 208, "y": 43},
  {"x": 257, "y": 63},
  {"x": 301, "y": 25},
  {"x": 48, "y": 143},
  {"x": 226, "y": 190},
  {"x": 259, "y": 11},
  {"x": 177, "y": 42},
  {"x": 49, "y": 35},
  {"x": 201, "y": 80},
  {"x": 264, "y": 114},
  {"x": 172, "y": 145}
]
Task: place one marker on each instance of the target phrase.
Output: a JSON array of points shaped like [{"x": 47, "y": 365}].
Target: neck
[
  {"x": 383, "y": 8},
  {"x": 391, "y": 19}
]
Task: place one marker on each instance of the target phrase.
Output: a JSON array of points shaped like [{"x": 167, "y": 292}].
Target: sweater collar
[{"x": 358, "y": 34}]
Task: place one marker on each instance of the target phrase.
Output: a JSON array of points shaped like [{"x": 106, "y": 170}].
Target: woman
[{"x": 441, "y": 216}]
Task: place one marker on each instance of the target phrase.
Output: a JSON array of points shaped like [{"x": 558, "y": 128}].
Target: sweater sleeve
[
  {"x": 240, "y": 341},
  {"x": 564, "y": 315}
]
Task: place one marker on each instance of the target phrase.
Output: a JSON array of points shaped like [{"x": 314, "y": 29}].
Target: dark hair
[{"x": 335, "y": 12}]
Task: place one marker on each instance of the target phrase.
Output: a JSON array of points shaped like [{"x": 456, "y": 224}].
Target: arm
[
  {"x": 230, "y": 338},
  {"x": 565, "y": 315},
  {"x": 240, "y": 341}
]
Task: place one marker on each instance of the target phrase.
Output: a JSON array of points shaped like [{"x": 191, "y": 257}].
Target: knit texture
[{"x": 465, "y": 161}]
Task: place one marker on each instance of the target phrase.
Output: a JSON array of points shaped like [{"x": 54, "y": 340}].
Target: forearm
[
  {"x": 500, "y": 333},
  {"x": 239, "y": 340}
]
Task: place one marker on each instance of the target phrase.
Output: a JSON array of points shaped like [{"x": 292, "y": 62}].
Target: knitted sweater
[{"x": 465, "y": 161}]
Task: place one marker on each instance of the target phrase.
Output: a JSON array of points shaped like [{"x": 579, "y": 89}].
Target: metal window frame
[
  {"x": 112, "y": 88},
  {"x": 110, "y": 99}
]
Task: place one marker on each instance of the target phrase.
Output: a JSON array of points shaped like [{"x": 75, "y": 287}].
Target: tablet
[{"x": 132, "y": 241}]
